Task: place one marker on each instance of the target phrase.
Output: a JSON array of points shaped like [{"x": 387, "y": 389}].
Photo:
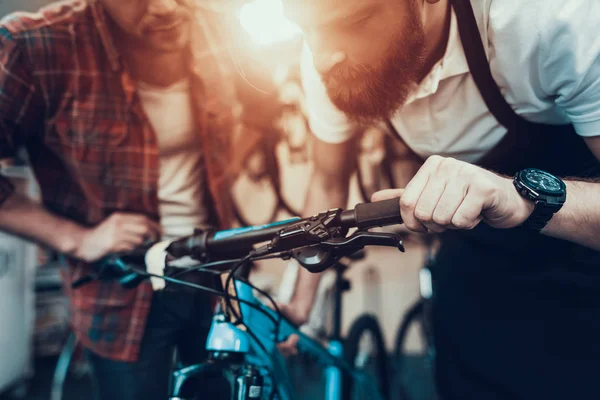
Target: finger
[
  {"x": 289, "y": 346},
  {"x": 448, "y": 204},
  {"x": 412, "y": 193},
  {"x": 153, "y": 229},
  {"x": 431, "y": 195},
  {"x": 286, "y": 351},
  {"x": 468, "y": 214},
  {"x": 134, "y": 239},
  {"x": 124, "y": 246},
  {"x": 140, "y": 220},
  {"x": 387, "y": 194},
  {"x": 144, "y": 228}
]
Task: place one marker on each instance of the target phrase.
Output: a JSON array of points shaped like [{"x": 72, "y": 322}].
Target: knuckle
[
  {"x": 461, "y": 221},
  {"x": 442, "y": 218},
  {"x": 434, "y": 159},
  {"x": 467, "y": 171},
  {"x": 126, "y": 247},
  {"x": 406, "y": 203},
  {"x": 447, "y": 164},
  {"x": 423, "y": 215}
]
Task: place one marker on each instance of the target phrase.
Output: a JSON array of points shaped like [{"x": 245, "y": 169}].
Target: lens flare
[{"x": 266, "y": 24}]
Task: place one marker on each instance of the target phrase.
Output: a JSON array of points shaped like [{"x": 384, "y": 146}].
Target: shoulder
[
  {"x": 550, "y": 48},
  {"x": 536, "y": 24},
  {"x": 52, "y": 27}
]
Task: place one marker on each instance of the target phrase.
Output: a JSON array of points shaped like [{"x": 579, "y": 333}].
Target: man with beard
[
  {"x": 126, "y": 114},
  {"x": 483, "y": 91}
]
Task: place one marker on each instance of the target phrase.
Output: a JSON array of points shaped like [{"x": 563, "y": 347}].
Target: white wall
[{"x": 8, "y": 6}]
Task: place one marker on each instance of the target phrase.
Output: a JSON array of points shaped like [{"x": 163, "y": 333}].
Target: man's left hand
[{"x": 450, "y": 194}]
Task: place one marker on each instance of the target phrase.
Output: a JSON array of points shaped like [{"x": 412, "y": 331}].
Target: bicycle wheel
[
  {"x": 365, "y": 350},
  {"x": 415, "y": 367}
]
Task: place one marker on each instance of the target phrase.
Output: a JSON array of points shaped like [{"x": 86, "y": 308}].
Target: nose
[
  {"x": 162, "y": 7},
  {"x": 324, "y": 58},
  {"x": 326, "y": 61}
]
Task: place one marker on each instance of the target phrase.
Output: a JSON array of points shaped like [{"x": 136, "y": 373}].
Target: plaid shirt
[{"x": 66, "y": 96}]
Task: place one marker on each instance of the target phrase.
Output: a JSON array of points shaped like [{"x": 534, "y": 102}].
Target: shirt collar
[
  {"x": 99, "y": 17},
  {"x": 453, "y": 63}
]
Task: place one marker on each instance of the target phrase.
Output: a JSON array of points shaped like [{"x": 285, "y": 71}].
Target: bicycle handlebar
[
  {"x": 289, "y": 234},
  {"x": 370, "y": 215},
  {"x": 326, "y": 230}
]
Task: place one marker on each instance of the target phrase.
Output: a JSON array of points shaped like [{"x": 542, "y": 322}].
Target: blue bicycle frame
[{"x": 225, "y": 337}]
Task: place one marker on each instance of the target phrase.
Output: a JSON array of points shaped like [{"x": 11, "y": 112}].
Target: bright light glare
[{"x": 265, "y": 22}]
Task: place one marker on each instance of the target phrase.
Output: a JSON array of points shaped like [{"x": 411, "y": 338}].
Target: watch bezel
[{"x": 535, "y": 193}]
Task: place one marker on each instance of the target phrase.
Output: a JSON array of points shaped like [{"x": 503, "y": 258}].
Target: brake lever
[
  {"x": 318, "y": 258},
  {"x": 360, "y": 239}
]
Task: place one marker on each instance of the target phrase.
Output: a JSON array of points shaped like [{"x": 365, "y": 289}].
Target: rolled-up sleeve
[{"x": 569, "y": 65}]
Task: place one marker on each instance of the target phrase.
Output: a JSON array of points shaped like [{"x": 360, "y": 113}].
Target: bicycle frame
[{"x": 225, "y": 337}]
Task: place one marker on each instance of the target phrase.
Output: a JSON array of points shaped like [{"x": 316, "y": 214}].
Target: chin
[
  {"x": 368, "y": 108},
  {"x": 169, "y": 45},
  {"x": 170, "y": 41}
]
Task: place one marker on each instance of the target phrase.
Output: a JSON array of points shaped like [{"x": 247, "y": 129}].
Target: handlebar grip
[{"x": 380, "y": 213}]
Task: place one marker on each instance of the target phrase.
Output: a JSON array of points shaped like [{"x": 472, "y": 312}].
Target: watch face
[{"x": 542, "y": 181}]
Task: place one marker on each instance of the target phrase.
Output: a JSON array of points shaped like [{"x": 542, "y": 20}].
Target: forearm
[
  {"x": 22, "y": 217},
  {"x": 579, "y": 219}
]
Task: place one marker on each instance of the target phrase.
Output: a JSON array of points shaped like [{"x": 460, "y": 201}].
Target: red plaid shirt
[{"x": 66, "y": 97}]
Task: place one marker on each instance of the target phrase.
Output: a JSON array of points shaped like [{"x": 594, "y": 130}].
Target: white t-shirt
[
  {"x": 181, "y": 186},
  {"x": 544, "y": 56}
]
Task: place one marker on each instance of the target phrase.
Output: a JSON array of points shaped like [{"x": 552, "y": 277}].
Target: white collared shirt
[{"x": 545, "y": 57}]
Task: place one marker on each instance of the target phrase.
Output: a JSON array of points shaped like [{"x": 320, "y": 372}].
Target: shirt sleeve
[
  {"x": 16, "y": 93},
  {"x": 327, "y": 123},
  {"x": 569, "y": 62}
]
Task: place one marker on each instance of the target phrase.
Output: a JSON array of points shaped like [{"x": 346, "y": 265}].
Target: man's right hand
[{"x": 121, "y": 232}]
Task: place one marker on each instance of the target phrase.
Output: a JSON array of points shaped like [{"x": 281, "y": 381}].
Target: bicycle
[{"x": 244, "y": 332}]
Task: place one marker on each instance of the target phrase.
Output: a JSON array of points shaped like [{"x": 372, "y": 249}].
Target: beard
[{"x": 370, "y": 93}]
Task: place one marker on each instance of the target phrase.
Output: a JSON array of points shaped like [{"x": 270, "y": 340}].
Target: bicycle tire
[
  {"x": 367, "y": 324},
  {"x": 413, "y": 314}
]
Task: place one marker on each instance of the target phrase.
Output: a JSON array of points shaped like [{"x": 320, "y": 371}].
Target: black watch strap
[{"x": 540, "y": 216}]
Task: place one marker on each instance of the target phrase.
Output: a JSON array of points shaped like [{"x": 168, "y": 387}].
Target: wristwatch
[{"x": 548, "y": 192}]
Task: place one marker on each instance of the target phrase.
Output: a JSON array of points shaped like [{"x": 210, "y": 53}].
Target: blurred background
[{"x": 271, "y": 186}]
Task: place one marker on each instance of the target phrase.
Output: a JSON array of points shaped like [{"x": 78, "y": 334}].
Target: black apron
[{"x": 517, "y": 314}]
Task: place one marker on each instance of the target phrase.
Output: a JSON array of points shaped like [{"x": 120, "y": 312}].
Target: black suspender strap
[
  {"x": 520, "y": 131},
  {"x": 480, "y": 68}
]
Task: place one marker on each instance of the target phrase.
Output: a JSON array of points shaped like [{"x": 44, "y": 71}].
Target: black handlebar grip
[{"x": 380, "y": 213}]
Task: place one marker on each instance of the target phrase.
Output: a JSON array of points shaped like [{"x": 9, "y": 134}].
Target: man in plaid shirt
[{"x": 127, "y": 117}]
